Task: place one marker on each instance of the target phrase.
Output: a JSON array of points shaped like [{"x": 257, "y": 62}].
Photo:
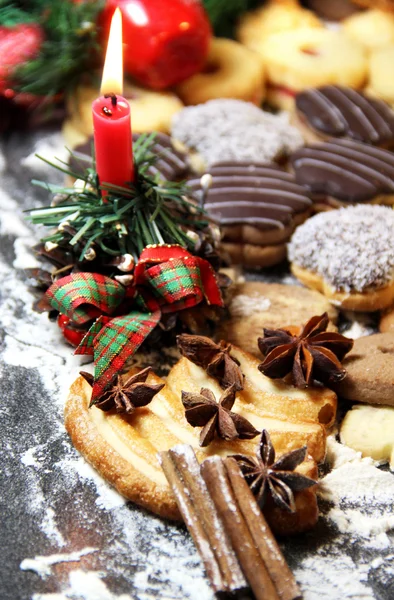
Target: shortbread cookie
[
  {"x": 257, "y": 207},
  {"x": 370, "y": 430},
  {"x": 387, "y": 320},
  {"x": 340, "y": 112},
  {"x": 370, "y": 370},
  {"x": 342, "y": 172},
  {"x": 150, "y": 111},
  {"x": 255, "y": 305},
  {"x": 124, "y": 447},
  {"x": 348, "y": 254},
  {"x": 372, "y": 29},
  {"x": 381, "y": 79},
  {"x": 171, "y": 164},
  {"x": 231, "y": 71},
  {"x": 232, "y": 130},
  {"x": 255, "y": 26},
  {"x": 296, "y": 60}
]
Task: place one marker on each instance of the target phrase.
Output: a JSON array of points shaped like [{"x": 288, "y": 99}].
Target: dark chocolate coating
[
  {"x": 260, "y": 195},
  {"x": 342, "y": 112},
  {"x": 344, "y": 169},
  {"x": 171, "y": 164}
]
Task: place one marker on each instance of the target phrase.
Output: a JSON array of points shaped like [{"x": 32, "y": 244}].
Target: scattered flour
[
  {"x": 84, "y": 585},
  {"x": 42, "y": 564},
  {"x": 244, "y": 306}
]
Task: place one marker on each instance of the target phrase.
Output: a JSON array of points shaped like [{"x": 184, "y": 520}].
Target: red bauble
[
  {"x": 165, "y": 41},
  {"x": 18, "y": 45},
  {"x": 71, "y": 333}
]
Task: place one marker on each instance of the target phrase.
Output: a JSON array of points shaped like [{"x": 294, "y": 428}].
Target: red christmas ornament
[
  {"x": 164, "y": 41},
  {"x": 71, "y": 333},
  {"x": 18, "y": 45}
]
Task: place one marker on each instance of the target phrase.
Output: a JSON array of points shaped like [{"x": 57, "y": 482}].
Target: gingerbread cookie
[
  {"x": 340, "y": 112},
  {"x": 255, "y": 305},
  {"x": 370, "y": 370},
  {"x": 257, "y": 207},
  {"x": 232, "y": 130},
  {"x": 342, "y": 172},
  {"x": 348, "y": 254},
  {"x": 124, "y": 446}
]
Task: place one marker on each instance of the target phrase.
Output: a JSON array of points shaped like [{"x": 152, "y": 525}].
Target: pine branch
[{"x": 150, "y": 211}]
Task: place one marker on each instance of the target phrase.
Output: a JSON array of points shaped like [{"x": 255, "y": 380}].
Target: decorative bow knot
[{"x": 166, "y": 279}]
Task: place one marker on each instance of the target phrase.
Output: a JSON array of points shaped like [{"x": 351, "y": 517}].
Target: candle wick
[{"x": 113, "y": 97}]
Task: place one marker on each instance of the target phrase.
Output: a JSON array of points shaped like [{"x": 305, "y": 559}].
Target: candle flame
[{"x": 112, "y": 80}]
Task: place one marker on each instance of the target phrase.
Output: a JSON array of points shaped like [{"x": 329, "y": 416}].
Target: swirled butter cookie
[{"x": 123, "y": 446}]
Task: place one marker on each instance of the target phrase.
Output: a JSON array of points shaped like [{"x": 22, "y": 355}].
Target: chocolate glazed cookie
[
  {"x": 258, "y": 206},
  {"x": 336, "y": 111},
  {"x": 343, "y": 172}
]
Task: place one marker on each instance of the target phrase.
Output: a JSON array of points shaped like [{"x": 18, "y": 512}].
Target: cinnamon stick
[
  {"x": 215, "y": 476},
  {"x": 202, "y": 520},
  {"x": 263, "y": 538}
]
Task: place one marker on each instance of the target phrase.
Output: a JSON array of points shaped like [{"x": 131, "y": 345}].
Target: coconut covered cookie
[
  {"x": 348, "y": 254},
  {"x": 233, "y": 130}
]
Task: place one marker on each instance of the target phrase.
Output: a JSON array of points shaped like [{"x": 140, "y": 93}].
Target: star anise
[
  {"x": 202, "y": 410},
  {"x": 126, "y": 396},
  {"x": 312, "y": 354},
  {"x": 214, "y": 358},
  {"x": 278, "y": 479}
]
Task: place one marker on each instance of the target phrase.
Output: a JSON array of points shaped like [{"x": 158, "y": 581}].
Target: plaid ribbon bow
[{"x": 166, "y": 279}]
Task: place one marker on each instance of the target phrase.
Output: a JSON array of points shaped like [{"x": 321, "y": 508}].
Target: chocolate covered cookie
[
  {"x": 258, "y": 206},
  {"x": 341, "y": 112},
  {"x": 343, "y": 172}
]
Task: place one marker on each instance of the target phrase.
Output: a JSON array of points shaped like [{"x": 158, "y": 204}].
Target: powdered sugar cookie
[
  {"x": 381, "y": 74},
  {"x": 224, "y": 129},
  {"x": 348, "y": 254}
]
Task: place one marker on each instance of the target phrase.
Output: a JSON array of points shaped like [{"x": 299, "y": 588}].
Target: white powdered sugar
[
  {"x": 84, "y": 585},
  {"x": 351, "y": 248},
  {"x": 42, "y": 564},
  {"x": 226, "y": 129},
  {"x": 244, "y": 306}
]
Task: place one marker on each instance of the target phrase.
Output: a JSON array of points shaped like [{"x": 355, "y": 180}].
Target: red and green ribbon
[{"x": 166, "y": 279}]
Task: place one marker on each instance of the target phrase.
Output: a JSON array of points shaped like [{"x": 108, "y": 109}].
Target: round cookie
[
  {"x": 342, "y": 172},
  {"x": 341, "y": 112},
  {"x": 387, "y": 320},
  {"x": 231, "y": 71},
  {"x": 257, "y": 207},
  {"x": 370, "y": 430},
  {"x": 381, "y": 74},
  {"x": 372, "y": 29},
  {"x": 348, "y": 255},
  {"x": 232, "y": 130},
  {"x": 150, "y": 111},
  {"x": 386, "y": 5},
  {"x": 310, "y": 57},
  {"x": 255, "y": 26},
  {"x": 370, "y": 370},
  {"x": 333, "y": 10},
  {"x": 255, "y": 305}
]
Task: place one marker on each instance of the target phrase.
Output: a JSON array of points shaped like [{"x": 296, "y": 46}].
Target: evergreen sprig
[
  {"x": 71, "y": 47},
  {"x": 124, "y": 219}
]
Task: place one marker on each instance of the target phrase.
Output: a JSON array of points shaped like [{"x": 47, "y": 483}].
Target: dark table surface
[{"x": 64, "y": 533}]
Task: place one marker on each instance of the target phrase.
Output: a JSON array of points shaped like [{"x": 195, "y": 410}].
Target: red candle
[
  {"x": 112, "y": 140},
  {"x": 111, "y": 116}
]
